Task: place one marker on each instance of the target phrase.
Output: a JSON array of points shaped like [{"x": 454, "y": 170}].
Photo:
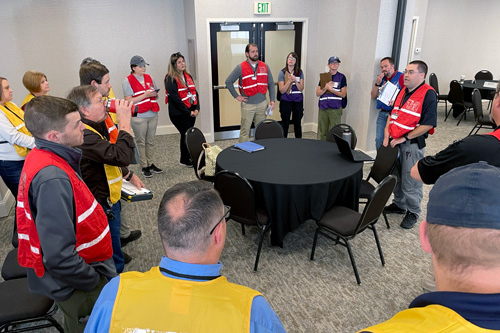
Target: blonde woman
[
  {"x": 183, "y": 102},
  {"x": 15, "y": 143},
  {"x": 37, "y": 85}
]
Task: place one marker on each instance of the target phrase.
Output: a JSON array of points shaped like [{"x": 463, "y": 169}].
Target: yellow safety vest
[
  {"x": 113, "y": 176},
  {"x": 16, "y": 118},
  {"x": 432, "y": 318},
  {"x": 156, "y": 303},
  {"x": 28, "y": 98}
]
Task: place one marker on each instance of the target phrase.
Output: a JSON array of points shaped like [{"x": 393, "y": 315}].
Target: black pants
[
  {"x": 296, "y": 110},
  {"x": 183, "y": 123}
]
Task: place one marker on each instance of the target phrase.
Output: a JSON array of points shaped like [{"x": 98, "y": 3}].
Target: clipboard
[
  {"x": 324, "y": 78},
  {"x": 130, "y": 193}
]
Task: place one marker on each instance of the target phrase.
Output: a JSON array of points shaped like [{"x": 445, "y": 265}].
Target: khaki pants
[
  {"x": 144, "y": 133},
  {"x": 78, "y": 307},
  {"x": 327, "y": 118},
  {"x": 251, "y": 113}
]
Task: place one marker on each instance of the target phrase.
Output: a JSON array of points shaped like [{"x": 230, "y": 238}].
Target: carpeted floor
[{"x": 308, "y": 296}]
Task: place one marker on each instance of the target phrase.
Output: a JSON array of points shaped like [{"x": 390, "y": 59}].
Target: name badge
[
  {"x": 394, "y": 116},
  {"x": 335, "y": 84}
]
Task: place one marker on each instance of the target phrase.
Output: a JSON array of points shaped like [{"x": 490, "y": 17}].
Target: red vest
[
  {"x": 147, "y": 103},
  {"x": 404, "y": 118},
  {"x": 250, "y": 86},
  {"x": 182, "y": 90},
  {"x": 112, "y": 130},
  {"x": 93, "y": 241}
]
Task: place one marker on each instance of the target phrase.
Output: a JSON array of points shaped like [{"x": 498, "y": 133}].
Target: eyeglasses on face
[{"x": 227, "y": 211}]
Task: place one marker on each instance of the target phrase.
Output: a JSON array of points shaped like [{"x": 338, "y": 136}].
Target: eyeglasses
[
  {"x": 411, "y": 72},
  {"x": 227, "y": 211}
]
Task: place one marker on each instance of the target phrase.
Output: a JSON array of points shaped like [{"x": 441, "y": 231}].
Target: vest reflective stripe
[
  {"x": 247, "y": 84},
  {"x": 146, "y": 104},
  {"x": 408, "y": 114},
  {"x": 185, "y": 88},
  {"x": 432, "y": 318},
  {"x": 329, "y": 100},
  {"x": 159, "y": 303},
  {"x": 16, "y": 118},
  {"x": 93, "y": 241},
  {"x": 113, "y": 176}
]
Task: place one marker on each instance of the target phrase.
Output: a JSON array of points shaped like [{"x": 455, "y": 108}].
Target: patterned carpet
[{"x": 308, "y": 296}]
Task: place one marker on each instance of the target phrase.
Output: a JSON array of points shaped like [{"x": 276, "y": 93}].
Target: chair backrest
[
  {"x": 456, "y": 94},
  {"x": 477, "y": 104},
  {"x": 194, "y": 141},
  {"x": 384, "y": 163},
  {"x": 433, "y": 82},
  {"x": 268, "y": 129},
  {"x": 376, "y": 203},
  {"x": 237, "y": 192},
  {"x": 484, "y": 75},
  {"x": 339, "y": 129}
]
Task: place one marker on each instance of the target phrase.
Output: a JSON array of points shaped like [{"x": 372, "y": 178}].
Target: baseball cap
[
  {"x": 138, "y": 61},
  {"x": 332, "y": 59},
  {"x": 467, "y": 196}
]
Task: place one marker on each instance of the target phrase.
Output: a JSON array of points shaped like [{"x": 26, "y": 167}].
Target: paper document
[
  {"x": 269, "y": 111},
  {"x": 490, "y": 84},
  {"x": 388, "y": 93},
  {"x": 131, "y": 189}
]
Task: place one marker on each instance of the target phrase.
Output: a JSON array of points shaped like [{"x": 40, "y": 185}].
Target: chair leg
[
  {"x": 353, "y": 263},
  {"x": 386, "y": 220},
  {"x": 378, "y": 245},
  {"x": 314, "y": 243},
  {"x": 243, "y": 229},
  {"x": 472, "y": 130},
  {"x": 261, "y": 240},
  {"x": 448, "y": 113},
  {"x": 462, "y": 117}
]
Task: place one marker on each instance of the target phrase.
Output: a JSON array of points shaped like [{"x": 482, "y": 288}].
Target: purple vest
[
  {"x": 295, "y": 94},
  {"x": 330, "y": 100}
]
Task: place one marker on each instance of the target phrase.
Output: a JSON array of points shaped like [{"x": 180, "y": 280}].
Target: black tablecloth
[
  {"x": 468, "y": 86},
  {"x": 296, "y": 180}
]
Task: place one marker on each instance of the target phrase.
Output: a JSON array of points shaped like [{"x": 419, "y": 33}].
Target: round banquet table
[
  {"x": 469, "y": 85},
  {"x": 296, "y": 180}
]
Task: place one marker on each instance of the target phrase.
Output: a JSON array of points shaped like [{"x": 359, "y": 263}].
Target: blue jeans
[
  {"x": 114, "y": 230},
  {"x": 381, "y": 122},
  {"x": 10, "y": 171}
]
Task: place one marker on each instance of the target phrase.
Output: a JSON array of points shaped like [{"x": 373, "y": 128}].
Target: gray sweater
[{"x": 258, "y": 97}]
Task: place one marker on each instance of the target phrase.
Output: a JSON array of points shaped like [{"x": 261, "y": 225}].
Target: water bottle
[{"x": 346, "y": 135}]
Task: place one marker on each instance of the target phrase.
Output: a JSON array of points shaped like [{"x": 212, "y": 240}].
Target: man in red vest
[
  {"x": 413, "y": 115},
  {"x": 255, "y": 79},
  {"x": 64, "y": 238}
]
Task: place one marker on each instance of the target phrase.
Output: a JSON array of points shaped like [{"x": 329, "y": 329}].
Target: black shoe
[
  {"x": 154, "y": 169},
  {"x": 146, "y": 172},
  {"x": 126, "y": 258},
  {"x": 394, "y": 209},
  {"x": 409, "y": 220},
  {"x": 187, "y": 165},
  {"x": 134, "y": 235}
]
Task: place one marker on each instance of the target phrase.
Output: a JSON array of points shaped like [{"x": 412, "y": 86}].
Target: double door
[{"x": 228, "y": 42}]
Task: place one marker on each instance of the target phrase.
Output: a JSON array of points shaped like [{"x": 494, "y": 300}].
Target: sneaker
[
  {"x": 154, "y": 169},
  {"x": 126, "y": 258},
  {"x": 134, "y": 235},
  {"x": 187, "y": 165},
  {"x": 394, "y": 209},
  {"x": 409, "y": 220},
  {"x": 146, "y": 172}
]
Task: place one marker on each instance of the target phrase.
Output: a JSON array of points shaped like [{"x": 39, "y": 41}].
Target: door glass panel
[
  {"x": 230, "y": 52},
  {"x": 278, "y": 44}
]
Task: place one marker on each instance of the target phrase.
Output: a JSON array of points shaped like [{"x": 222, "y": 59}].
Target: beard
[{"x": 255, "y": 58}]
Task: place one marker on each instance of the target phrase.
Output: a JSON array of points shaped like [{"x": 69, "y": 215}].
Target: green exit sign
[{"x": 262, "y": 8}]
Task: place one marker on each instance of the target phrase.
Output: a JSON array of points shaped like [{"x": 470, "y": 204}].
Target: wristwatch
[
  {"x": 406, "y": 136},
  {"x": 378, "y": 85},
  {"x": 131, "y": 173}
]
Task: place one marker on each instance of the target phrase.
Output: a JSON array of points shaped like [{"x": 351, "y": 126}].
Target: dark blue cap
[
  {"x": 332, "y": 59},
  {"x": 467, "y": 196}
]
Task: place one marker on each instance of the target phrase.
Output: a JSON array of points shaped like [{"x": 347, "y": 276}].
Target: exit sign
[{"x": 262, "y": 8}]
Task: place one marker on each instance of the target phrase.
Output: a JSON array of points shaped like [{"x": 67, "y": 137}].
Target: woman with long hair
[
  {"x": 15, "y": 143},
  {"x": 291, "y": 84},
  {"x": 183, "y": 102},
  {"x": 37, "y": 85}
]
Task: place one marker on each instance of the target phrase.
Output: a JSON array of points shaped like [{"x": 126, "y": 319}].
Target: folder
[{"x": 249, "y": 146}]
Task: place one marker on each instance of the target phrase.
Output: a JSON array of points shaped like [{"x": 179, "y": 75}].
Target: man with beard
[{"x": 255, "y": 79}]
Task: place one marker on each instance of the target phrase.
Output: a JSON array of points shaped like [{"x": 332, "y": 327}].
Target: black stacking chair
[
  {"x": 484, "y": 75},
  {"x": 456, "y": 98},
  {"x": 481, "y": 119},
  {"x": 194, "y": 141},
  {"x": 339, "y": 129},
  {"x": 19, "y": 307},
  {"x": 238, "y": 193},
  {"x": 381, "y": 168},
  {"x": 433, "y": 82},
  {"x": 268, "y": 129},
  {"x": 11, "y": 268},
  {"x": 342, "y": 224}
]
